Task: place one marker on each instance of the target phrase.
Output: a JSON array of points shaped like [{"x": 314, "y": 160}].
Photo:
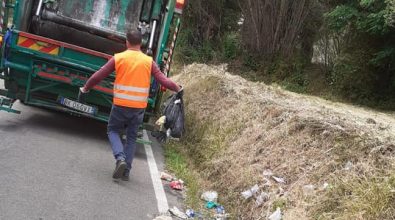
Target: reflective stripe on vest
[
  {"x": 131, "y": 97},
  {"x": 131, "y": 88}
]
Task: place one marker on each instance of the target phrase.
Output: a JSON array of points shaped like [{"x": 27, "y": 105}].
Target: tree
[
  {"x": 273, "y": 27},
  {"x": 364, "y": 67},
  {"x": 391, "y": 13},
  {"x": 205, "y": 23}
]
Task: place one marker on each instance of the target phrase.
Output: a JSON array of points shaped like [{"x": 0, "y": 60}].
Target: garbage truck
[{"x": 51, "y": 47}]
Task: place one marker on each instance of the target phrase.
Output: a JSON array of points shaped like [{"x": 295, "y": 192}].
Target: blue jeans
[{"x": 121, "y": 118}]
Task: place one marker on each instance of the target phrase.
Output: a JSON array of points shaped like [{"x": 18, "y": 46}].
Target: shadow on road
[
  {"x": 53, "y": 122},
  {"x": 68, "y": 125},
  {"x": 59, "y": 125}
]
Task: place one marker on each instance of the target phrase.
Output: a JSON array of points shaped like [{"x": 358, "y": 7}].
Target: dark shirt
[{"x": 109, "y": 67}]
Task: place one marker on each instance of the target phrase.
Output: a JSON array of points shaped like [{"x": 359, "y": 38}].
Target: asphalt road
[{"x": 57, "y": 166}]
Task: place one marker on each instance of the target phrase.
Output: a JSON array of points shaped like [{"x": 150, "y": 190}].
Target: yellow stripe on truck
[{"x": 40, "y": 46}]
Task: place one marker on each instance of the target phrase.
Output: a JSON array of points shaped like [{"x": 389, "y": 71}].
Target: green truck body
[{"x": 51, "y": 47}]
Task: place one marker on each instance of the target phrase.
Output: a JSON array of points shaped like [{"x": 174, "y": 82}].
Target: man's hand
[
  {"x": 81, "y": 94},
  {"x": 180, "y": 92},
  {"x": 83, "y": 90}
]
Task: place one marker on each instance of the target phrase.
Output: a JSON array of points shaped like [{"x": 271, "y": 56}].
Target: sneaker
[
  {"x": 119, "y": 169},
  {"x": 125, "y": 175}
]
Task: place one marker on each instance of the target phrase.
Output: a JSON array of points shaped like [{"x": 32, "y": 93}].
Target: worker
[{"x": 133, "y": 71}]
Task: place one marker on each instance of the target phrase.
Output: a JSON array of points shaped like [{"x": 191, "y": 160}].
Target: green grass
[
  {"x": 279, "y": 203},
  {"x": 176, "y": 162},
  {"x": 205, "y": 139}
]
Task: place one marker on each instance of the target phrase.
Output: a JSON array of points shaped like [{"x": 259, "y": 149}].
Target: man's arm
[
  {"x": 162, "y": 79},
  {"x": 96, "y": 78}
]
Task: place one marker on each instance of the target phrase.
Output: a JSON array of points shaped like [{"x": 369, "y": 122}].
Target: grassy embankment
[{"x": 236, "y": 129}]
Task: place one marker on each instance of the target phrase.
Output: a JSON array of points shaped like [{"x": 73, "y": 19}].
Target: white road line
[{"x": 160, "y": 194}]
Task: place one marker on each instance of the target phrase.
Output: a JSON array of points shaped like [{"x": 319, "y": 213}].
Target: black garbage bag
[{"x": 175, "y": 117}]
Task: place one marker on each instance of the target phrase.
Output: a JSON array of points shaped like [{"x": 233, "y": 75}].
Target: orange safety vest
[{"x": 132, "y": 79}]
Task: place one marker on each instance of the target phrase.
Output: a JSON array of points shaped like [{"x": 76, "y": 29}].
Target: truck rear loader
[{"x": 51, "y": 47}]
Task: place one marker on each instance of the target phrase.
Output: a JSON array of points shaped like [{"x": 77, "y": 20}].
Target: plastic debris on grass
[
  {"x": 177, "y": 185},
  {"x": 190, "y": 213},
  {"x": 211, "y": 205},
  {"x": 267, "y": 173},
  {"x": 279, "y": 179},
  {"x": 166, "y": 177},
  {"x": 178, "y": 213},
  {"x": 277, "y": 215},
  {"x": 250, "y": 192},
  {"x": 325, "y": 186},
  {"x": 308, "y": 189},
  {"x": 262, "y": 198},
  {"x": 210, "y": 196},
  {"x": 348, "y": 166},
  {"x": 161, "y": 121},
  {"x": 221, "y": 216},
  {"x": 220, "y": 209}
]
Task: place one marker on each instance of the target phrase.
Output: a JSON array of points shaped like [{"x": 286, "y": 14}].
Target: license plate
[{"x": 78, "y": 106}]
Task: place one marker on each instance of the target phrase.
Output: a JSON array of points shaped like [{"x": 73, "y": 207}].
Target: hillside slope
[{"x": 337, "y": 160}]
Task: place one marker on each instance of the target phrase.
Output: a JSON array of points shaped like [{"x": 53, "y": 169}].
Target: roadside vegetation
[
  {"x": 337, "y": 160},
  {"x": 176, "y": 162}
]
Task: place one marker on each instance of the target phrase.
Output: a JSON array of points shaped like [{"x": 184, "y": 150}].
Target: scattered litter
[
  {"x": 267, "y": 173},
  {"x": 211, "y": 205},
  {"x": 176, "y": 212},
  {"x": 276, "y": 215},
  {"x": 163, "y": 217},
  {"x": 190, "y": 213},
  {"x": 177, "y": 185},
  {"x": 210, "y": 196},
  {"x": 263, "y": 197},
  {"x": 221, "y": 216},
  {"x": 279, "y": 179},
  {"x": 325, "y": 186},
  {"x": 161, "y": 121},
  {"x": 166, "y": 176},
  {"x": 249, "y": 193},
  {"x": 348, "y": 166},
  {"x": 255, "y": 189},
  {"x": 308, "y": 189},
  {"x": 220, "y": 209}
]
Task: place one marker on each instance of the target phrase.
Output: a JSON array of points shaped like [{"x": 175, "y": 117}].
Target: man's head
[{"x": 133, "y": 38}]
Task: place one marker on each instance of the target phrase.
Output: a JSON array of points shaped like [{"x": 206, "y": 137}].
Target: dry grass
[{"x": 236, "y": 129}]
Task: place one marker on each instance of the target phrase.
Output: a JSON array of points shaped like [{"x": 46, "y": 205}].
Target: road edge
[{"x": 160, "y": 194}]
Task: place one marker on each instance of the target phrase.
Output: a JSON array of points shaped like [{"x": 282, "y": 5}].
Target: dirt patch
[{"x": 237, "y": 130}]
